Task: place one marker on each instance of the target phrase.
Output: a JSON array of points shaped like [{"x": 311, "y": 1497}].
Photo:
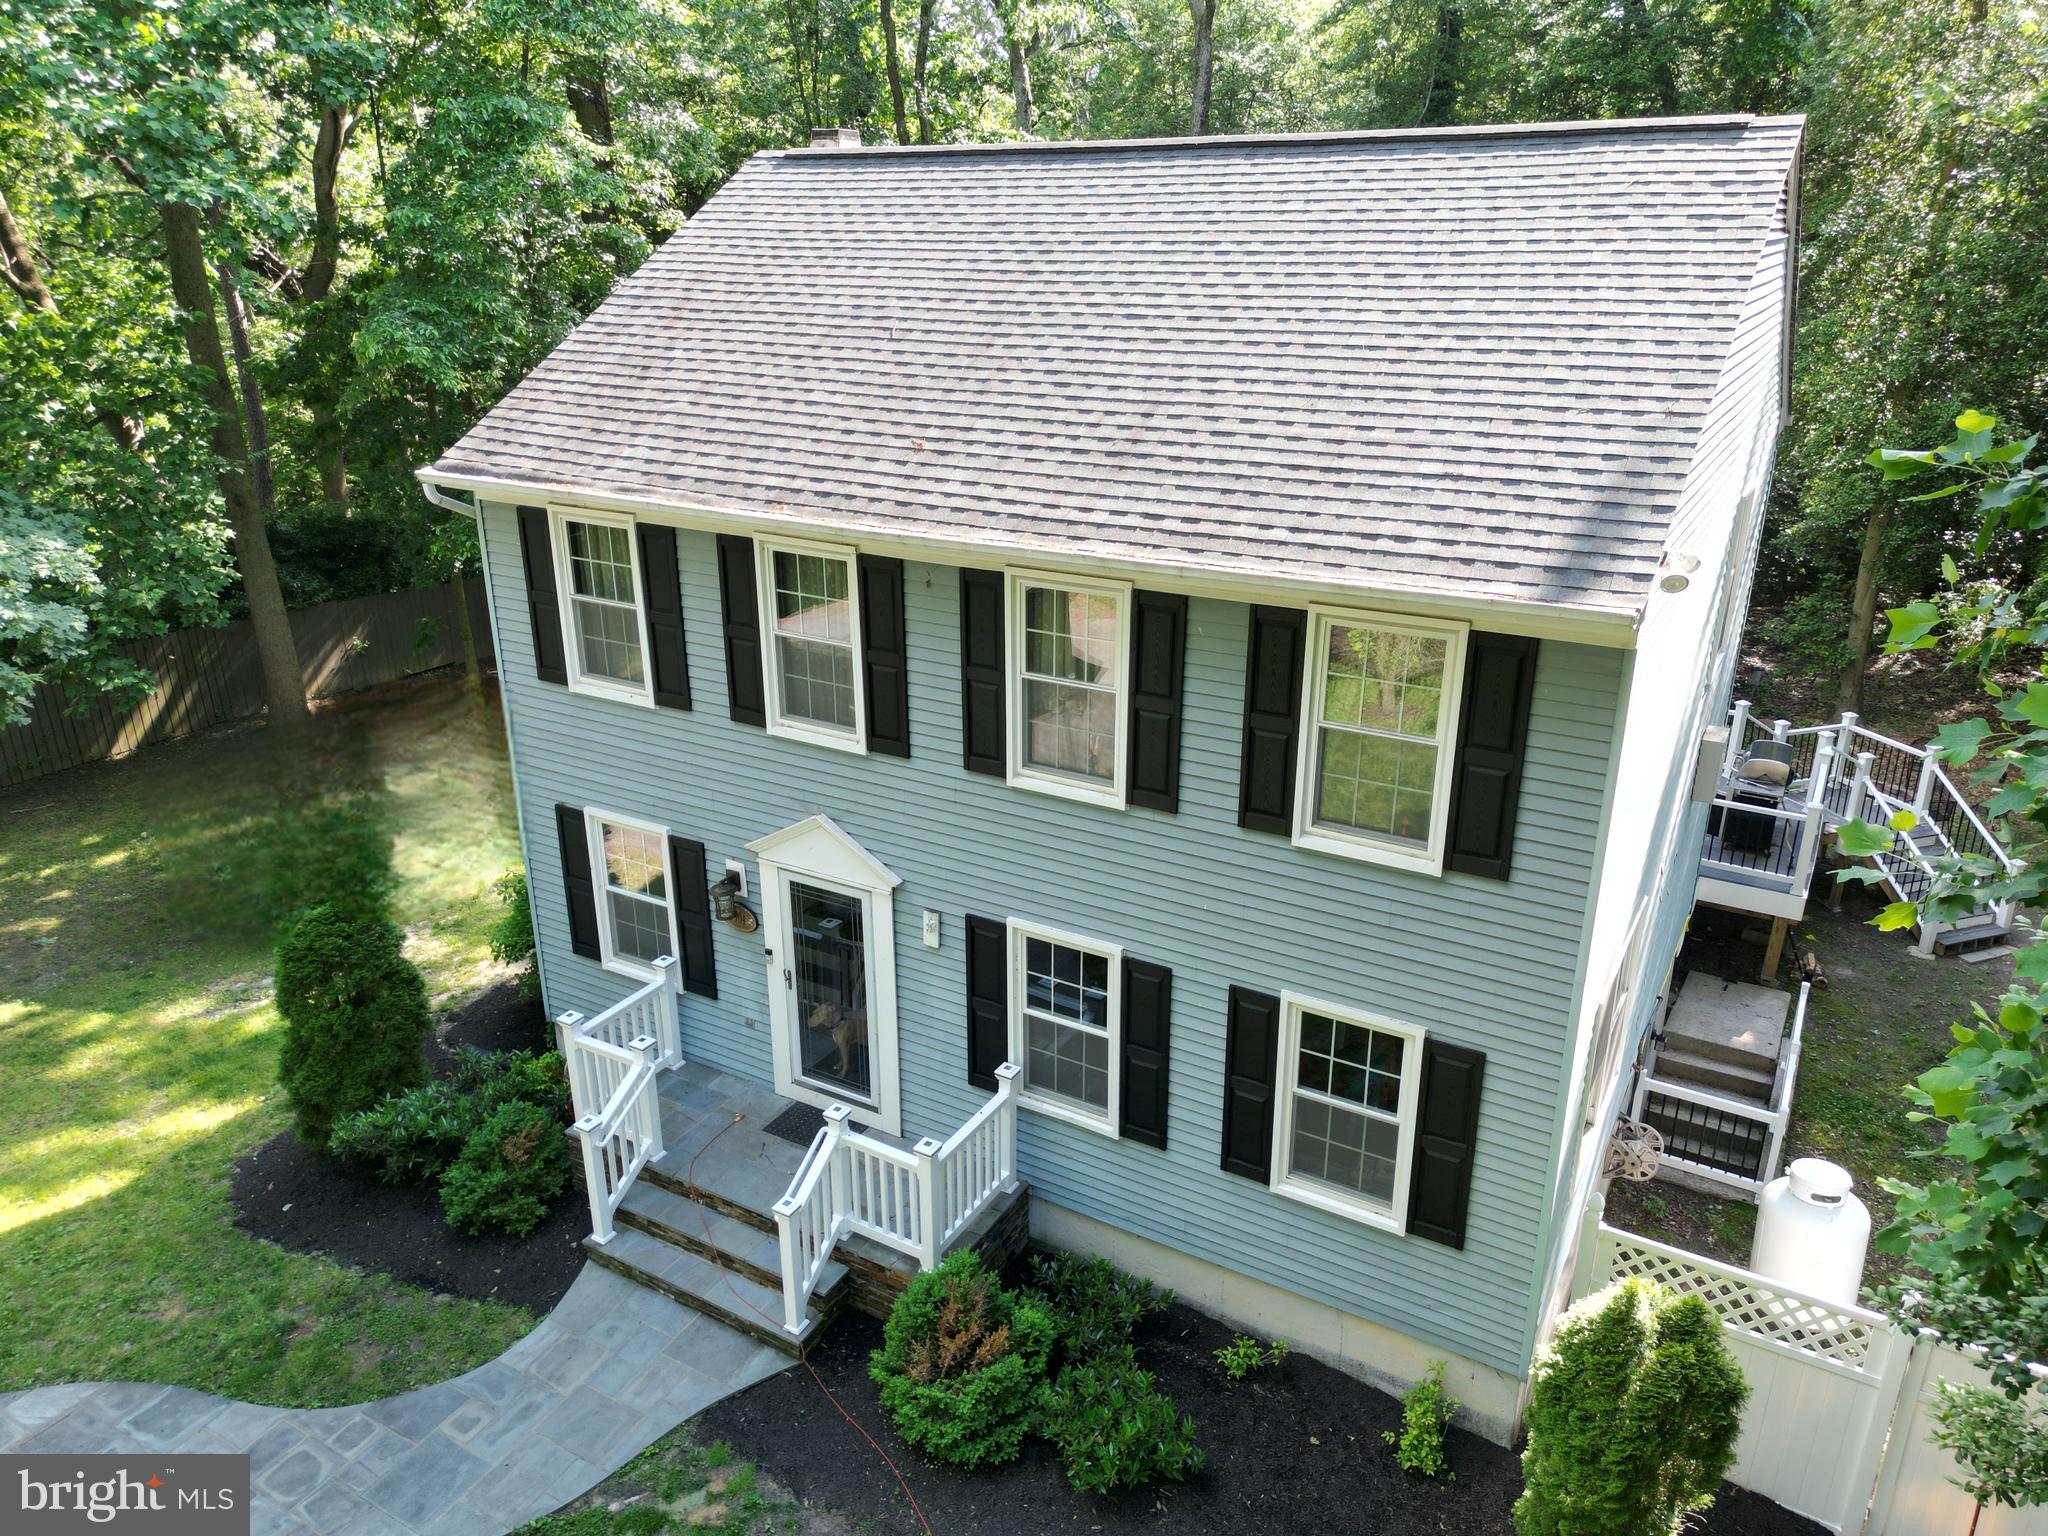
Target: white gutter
[{"x": 1614, "y": 628}]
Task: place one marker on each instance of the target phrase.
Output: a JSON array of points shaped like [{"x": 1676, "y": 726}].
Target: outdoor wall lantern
[{"x": 727, "y": 907}]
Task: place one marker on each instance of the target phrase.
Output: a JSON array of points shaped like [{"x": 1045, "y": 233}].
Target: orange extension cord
[{"x": 802, "y": 1351}]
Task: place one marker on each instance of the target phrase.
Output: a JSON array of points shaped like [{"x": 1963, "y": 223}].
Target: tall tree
[{"x": 1203, "y": 13}]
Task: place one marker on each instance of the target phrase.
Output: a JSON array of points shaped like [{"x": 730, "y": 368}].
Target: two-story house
[{"x": 1224, "y": 626}]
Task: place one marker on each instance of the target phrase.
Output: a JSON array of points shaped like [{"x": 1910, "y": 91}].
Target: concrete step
[
  {"x": 734, "y": 1299},
  {"x": 1749, "y": 1081},
  {"x": 710, "y": 1234}
]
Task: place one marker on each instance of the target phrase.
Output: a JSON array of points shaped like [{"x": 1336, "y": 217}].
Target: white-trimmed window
[
  {"x": 810, "y": 613},
  {"x": 604, "y": 628},
  {"x": 635, "y": 901},
  {"x": 1348, "y": 1087},
  {"x": 1069, "y": 665},
  {"x": 1066, "y": 1022},
  {"x": 1380, "y": 714}
]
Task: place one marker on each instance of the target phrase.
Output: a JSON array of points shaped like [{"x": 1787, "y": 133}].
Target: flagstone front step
[
  {"x": 731, "y": 1297},
  {"x": 741, "y": 1246}
]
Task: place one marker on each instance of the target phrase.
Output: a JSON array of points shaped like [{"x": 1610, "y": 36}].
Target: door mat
[{"x": 799, "y": 1123}]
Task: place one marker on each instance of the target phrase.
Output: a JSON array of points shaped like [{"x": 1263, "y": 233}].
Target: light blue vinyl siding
[{"x": 1483, "y": 963}]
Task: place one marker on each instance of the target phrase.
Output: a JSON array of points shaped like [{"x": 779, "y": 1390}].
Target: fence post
[
  {"x": 928, "y": 1230},
  {"x": 1586, "y": 1276}
]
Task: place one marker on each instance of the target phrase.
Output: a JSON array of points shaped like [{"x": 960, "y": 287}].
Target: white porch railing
[
  {"x": 1852, "y": 772},
  {"x": 917, "y": 1201},
  {"x": 1727, "y": 1141},
  {"x": 612, "y": 1060}
]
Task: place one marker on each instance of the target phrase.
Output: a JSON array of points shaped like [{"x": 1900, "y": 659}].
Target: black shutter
[
  {"x": 1486, "y": 783},
  {"x": 661, "y": 590},
  {"x": 1272, "y": 720},
  {"x": 988, "y": 1005},
  {"x": 1440, "y": 1179},
  {"x": 543, "y": 606},
  {"x": 1250, "y": 1058},
  {"x": 693, "y": 916},
  {"x": 981, "y": 672},
  {"x": 582, "y": 895},
  {"x": 885, "y": 655},
  {"x": 1148, "y": 1008},
  {"x": 1159, "y": 642},
  {"x": 739, "y": 596}
]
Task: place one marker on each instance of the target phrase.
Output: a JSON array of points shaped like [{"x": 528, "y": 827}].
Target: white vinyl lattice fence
[{"x": 1837, "y": 1423}]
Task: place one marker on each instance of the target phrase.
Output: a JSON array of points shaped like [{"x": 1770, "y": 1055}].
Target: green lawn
[{"x": 140, "y": 1048}]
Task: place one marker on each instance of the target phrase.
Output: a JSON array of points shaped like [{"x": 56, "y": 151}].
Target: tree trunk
[
  {"x": 284, "y": 690},
  {"x": 590, "y": 100},
  {"x": 332, "y": 454},
  {"x": 465, "y": 631},
  {"x": 261, "y": 471},
  {"x": 1863, "y": 610},
  {"x": 1020, "y": 74},
  {"x": 1440, "y": 101},
  {"x": 895, "y": 70},
  {"x": 328, "y": 143},
  {"x": 925, "y": 10},
  {"x": 1204, "y": 14},
  {"x": 18, "y": 266}
]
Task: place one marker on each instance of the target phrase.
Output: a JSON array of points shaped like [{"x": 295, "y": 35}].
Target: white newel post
[
  {"x": 1859, "y": 790},
  {"x": 1779, "y": 729},
  {"x": 1006, "y": 1086},
  {"x": 566, "y": 1025},
  {"x": 648, "y": 1049},
  {"x": 1738, "y": 723},
  {"x": 594, "y": 1180},
  {"x": 667, "y": 1013},
  {"x": 928, "y": 1228},
  {"x": 1923, "y": 792}
]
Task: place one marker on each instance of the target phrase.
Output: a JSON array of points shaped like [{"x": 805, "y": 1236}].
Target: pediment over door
[{"x": 819, "y": 846}]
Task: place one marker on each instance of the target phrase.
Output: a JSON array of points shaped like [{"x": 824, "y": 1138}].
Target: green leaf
[
  {"x": 1903, "y": 820},
  {"x": 2032, "y": 706},
  {"x": 1901, "y": 463},
  {"x": 1960, "y": 740},
  {"x": 1897, "y": 916},
  {"x": 1911, "y": 627},
  {"x": 1949, "y": 572},
  {"x": 1860, "y": 840},
  {"x": 1974, "y": 420}
]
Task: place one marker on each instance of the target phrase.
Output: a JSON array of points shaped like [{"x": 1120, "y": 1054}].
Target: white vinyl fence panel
[{"x": 1915, "y": 1494}]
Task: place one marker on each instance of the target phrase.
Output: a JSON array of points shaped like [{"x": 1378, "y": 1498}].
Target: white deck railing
[
  {"x": 611, "y": 1060},
  {"x": 1707, "y": 1114},
  {"x": 917, "y": 1201}
]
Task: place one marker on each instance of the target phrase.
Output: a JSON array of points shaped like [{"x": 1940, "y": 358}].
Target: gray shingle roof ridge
[{"x": 1603, "y": 127}]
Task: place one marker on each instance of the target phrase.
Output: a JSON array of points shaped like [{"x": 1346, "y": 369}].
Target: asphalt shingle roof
[{"x": 1470, "y": 364}]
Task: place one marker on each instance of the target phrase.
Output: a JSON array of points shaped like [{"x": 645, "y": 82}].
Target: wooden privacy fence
[
  {"x": 1837, "y": 1425},
  {"x": 208, "y": 677}
]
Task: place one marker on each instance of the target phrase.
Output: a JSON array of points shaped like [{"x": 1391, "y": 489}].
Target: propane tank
[{"x": 1812, "y": 1233}]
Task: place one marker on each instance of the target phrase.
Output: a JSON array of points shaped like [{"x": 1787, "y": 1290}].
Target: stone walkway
[{"x": 612, "y": 1369}]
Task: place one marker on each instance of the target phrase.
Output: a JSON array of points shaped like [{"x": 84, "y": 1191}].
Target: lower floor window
[
  {"x": 637, "y": 917},
  {"x": 1064, "y": 1017},
  {"x": 1348, "y": 1085}
]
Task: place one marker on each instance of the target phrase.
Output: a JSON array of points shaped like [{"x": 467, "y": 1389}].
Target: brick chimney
[{"x": 835, "y": 138}]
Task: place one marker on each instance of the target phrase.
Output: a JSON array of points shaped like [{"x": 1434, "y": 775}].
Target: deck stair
[
  {"x": 1843, "y": 771},
  {"x": 1718, "y": 1085}
]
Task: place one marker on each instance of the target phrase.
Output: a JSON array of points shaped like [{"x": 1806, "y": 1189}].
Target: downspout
[{"x": 474, "y": 510}]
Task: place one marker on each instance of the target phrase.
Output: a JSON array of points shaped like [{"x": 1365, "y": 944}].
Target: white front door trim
[{"x": 818, "y": 853}]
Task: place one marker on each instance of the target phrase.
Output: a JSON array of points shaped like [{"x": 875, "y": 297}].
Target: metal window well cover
[{"x": 799, "y": 1123}]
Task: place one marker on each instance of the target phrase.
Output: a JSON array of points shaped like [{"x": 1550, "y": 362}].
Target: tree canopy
[{"x": 268, "y": 256}]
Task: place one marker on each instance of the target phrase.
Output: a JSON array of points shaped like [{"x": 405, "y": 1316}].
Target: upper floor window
[
  {"x": 1069, "y": 665},
  {"x": 636, "y": 916},
  {"x": 1381, "y": 703},
  {"x": 1066, "y": 1010},
  {"x": 1346, "y": 1125},
  {"x": 607, "y": 640},
  {"x": 811, "y": 614}
]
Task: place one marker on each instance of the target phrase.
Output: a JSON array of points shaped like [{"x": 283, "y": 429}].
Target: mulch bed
[
  {"x": 1294, "y": 1448},
  {"x": 302, "y": 1199}
]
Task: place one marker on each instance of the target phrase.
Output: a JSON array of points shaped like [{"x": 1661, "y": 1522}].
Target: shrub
[
  {"x": 1096, "y": 1305},
  {"x": 1244, "y": 1354},
  {"x": 1633, "y": 1413},
  {"x": 511, "y": 936},
  {"x": 962, "y": 1363},
  {"x": 355, "y": 1014},
  {"x": 414, "y": 1136},
  {"x": 1114, "y": 1428},
  {"x": 509, "y": 1171},
  {"x": 410, "y": 1137},
  {"x": 1426, "y": 1410}
]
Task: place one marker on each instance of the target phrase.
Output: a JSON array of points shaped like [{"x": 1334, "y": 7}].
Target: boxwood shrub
[
  {"x": 508, "y": 1173},
  {"x": 355, "y": 1015}
]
